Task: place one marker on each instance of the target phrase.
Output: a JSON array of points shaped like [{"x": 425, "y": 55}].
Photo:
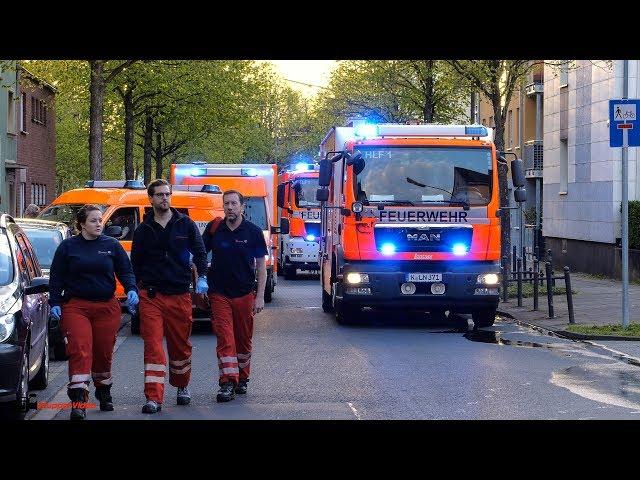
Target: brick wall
[{"x": 36, "y": 146}]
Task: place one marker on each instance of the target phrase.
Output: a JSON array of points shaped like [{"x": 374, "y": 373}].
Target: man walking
[
  {"x": 160, "y": 255},
  {"x": 239, "y": 249}
]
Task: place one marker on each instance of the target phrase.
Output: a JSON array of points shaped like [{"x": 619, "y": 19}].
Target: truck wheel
[
  {"x": 347, "y": 314},
  {"x": 483, "y": 318},
  {"x": 290, "y": 272},
  {"x": 327, "y": 304},
  {"x": 269, "y": 288},
  {"x": 135, "y": 323}
]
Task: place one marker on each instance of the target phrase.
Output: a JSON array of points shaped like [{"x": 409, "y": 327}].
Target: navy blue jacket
[
  {"x": 160, "y": 256},
  {"x": 85, "y": 269}
]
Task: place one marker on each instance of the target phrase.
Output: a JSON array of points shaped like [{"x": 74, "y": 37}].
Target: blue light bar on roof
[
  {"x": 366, "y": 130},
  {"x": 198, "y": 172},
  {"x": 476, "y": 130},
  {"x": 248, "y": 172}
]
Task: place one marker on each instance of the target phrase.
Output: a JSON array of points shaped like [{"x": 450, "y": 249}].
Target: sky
[{"x": 313, "y": 72}]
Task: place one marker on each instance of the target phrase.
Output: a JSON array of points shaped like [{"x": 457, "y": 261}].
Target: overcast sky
[{"x": 313, "y": 72}]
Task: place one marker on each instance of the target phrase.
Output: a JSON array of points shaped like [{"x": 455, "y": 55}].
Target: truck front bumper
[{"x": 302, "y": 254}]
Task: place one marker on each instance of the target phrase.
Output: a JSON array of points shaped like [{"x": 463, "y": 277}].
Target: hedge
[{"x": 634, "y": 224}]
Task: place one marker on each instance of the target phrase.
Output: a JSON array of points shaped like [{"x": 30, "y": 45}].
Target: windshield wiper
[
  {"x": 465, "y": 205},
  {"x": 393, "y": 202}
]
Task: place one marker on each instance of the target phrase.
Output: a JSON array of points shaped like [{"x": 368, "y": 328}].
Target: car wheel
[
  {"x": 15, "y": 410},
  {"x": 135, "y": 323},
  {"x": 41, "y": 380}
]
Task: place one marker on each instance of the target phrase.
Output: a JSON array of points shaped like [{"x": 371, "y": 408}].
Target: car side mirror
[
  {"x": 520, "y": 195},
  {"x": 113, "y": 231},
  {"x": 283, "y": 229},
  {"x": 37, "y": 285},
  {"x": 324, "y": 176},
  {"x": 517, "y": 173},
  {"x": 281, "y": 191}
]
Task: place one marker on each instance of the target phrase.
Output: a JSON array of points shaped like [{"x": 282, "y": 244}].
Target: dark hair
[
  {"x": 151, "y": 188},
  {"x": 230, "y": 192},
  {"x": 83, "y": 213}
]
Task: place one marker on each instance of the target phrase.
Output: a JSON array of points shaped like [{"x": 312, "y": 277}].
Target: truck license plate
[{"x": 424, "y": 277}]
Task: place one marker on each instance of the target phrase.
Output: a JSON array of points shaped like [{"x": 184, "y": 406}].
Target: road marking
[
  {"x": 61, "y": 396},
  {"x": 355, "y": 412}
]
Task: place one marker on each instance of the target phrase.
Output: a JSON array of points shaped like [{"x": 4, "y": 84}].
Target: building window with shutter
[
  {"x": 23, "y": 113},
  {"x": 564, "y": 167}
]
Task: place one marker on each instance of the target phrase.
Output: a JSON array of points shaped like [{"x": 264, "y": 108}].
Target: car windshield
[
  {"x": 256, "y": 212},
  {"x": 6, "y": 260},
  {"x": 65, "y": 212},
  {"x": 418, "y": 175},
  {"x": 305, "y": 193},
  {"x": 45, "y": 242}
]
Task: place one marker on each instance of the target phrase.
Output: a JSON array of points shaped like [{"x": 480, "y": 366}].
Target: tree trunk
[
  {"x": 128, "y": 135},
  {"x": 429, "y": 111},
  {"x": 96, "y": 112},
  {"x": 503, "y": 185},
  {"x": 148, "y": 146},
  {"x": 158, "y": 154}
]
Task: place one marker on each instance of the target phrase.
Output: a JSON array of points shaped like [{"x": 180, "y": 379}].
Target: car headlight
[
  {"x": 7, "y": 325},
  {"x": 488, "y": 279},
  {"x": 355, "y": 278}
]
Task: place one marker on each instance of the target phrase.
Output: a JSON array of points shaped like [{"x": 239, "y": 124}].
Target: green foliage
[
  {"x": 634, "y": 224},
  {"x": 527, "y": 290},
  {"x": 633, "y": 330}
]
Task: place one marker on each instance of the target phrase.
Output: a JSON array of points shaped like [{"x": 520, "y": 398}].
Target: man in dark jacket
[{"x": 160, "y": 254}]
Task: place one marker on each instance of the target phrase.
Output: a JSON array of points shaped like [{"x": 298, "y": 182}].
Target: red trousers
[
  {"x": 168, "y": 315},
  {"x": 232, "y": 321},
  {"x": 90, "y": 330}
]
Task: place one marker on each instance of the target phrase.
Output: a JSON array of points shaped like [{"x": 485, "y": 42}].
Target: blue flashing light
[
  {"x": 310, "y": 238},
  {"x": 459, "y": 249},
  {"x": 366, "y": 130},
  {"x": 477, "y": 131},
  {"x": 303, "y": 167},
  {"x": 248, "y": 172},
  {"x": 388, "y": 249},
  {"x": 198, "y": 172}
]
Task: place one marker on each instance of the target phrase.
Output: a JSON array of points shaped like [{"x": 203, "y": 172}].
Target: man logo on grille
[{"x": 423, "y": 237}]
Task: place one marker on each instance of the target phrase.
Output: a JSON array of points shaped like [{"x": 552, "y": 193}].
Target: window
[
  {"x": 564, "y": 74},
  {"x": 491, "y": 124},
  {"x": 127, "y": 219},
  {"x": 11, "y": 113},
  {"x": 484, "y": 122},
  {"x": 510, "y": 129},
  {"x": 38, "y": 111},
  {"x": 517, "y": 132},
  {"x": 39, "y": 194},
  {"x": 23, "y": 112},
  {"x": 564, "y": 166}
]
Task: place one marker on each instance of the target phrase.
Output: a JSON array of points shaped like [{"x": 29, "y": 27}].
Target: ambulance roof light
[
  {"x": 426, "y": 130},
  {"x": 366, "y": 130},
  {"x": 248, "y": 172},
  {"x": 130, "y": 184}
]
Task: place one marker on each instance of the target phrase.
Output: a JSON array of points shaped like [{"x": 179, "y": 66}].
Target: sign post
[{"x": 624, "y": 131}]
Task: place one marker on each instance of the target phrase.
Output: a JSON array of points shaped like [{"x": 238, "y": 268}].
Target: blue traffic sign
[{"x": 624, "y": 127}]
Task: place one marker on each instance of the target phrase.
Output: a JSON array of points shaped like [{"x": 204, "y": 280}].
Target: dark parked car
[
  {"x": 24, "y": 317},
  {"x": 45, "y": 236}
]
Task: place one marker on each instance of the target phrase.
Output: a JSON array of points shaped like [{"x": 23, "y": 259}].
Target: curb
[{"x": 570, "y": 335}]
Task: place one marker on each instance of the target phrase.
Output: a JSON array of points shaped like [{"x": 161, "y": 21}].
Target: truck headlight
[
  {"x": 356, "y": 207},
  {"x": 488, "y": 279},
  {"x": 7, "y": 324},
  {"x": 356, "y": 278}
]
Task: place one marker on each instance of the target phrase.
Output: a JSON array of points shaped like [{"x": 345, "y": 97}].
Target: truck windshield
[
  {"x": 65, "y": 212},
  {"x": 256, "y": 212},
  {"x": 425, "y": 175},
  {"x": 305, "y": 193}
]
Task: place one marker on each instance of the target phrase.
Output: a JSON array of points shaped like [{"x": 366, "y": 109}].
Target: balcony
[
  {"x": 532, "y": 157},
  {"x": 534, "y": 84}
]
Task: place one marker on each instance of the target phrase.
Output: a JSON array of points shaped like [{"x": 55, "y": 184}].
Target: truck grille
[{"x": 433, "y": 239}]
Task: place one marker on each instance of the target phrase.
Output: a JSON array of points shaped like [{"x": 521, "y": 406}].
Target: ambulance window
[
  {"x": 256, "y": 212},
  {"x": 127, "y": 218}
]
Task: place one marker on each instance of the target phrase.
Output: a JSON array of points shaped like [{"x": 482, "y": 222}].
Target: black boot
[
  {"x": 103, "y": 394},
  {"x": 78, "y": 395}
]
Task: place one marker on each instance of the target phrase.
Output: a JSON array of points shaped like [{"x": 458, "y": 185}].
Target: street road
[{"x": 397, "y": 366}]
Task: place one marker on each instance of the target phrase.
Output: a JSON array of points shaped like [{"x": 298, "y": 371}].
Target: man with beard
[
  {"x": 160, "y": 255},
  {"x": 239, "y": 248}
]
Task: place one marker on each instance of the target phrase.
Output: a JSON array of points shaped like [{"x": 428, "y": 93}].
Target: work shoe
[
  {"x": 184, "y": 396},
  {"x": 78, "y": 395},
  {"x": 241, "y": 388},
  {"x": 151, "y": 407},
  {"x": 226, "y": 392},
  {"x": 103, "y": 394}
]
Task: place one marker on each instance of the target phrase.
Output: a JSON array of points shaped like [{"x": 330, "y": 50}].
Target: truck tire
[
  {"x": 268, "y": 289},
  {"x": 290, "y": 272},
  {"x": 483, "y": 318},
  {"x": 135, "y": 323},
  {"x": 347, "y": 314},
  {"x": 327, "y": 304}
]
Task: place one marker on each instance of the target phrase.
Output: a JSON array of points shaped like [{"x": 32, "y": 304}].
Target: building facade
[
  {"x": 582, "y": 174},
  {"x": 8, "y": 126},
  {"x": 33, "y": 180}
]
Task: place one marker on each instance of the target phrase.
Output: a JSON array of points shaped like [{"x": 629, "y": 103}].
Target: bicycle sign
[{"x": 624, "y": 130}]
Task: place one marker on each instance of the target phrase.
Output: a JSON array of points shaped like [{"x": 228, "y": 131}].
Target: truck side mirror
[
  {"x": 284, "y": 226},
  {"x": 281, "y": 192},
  {"x": 322, "y": 195},
  {"x": 324, "y": 177},
  {"x": 517, "y": 173},
  {"x": 520, "y": 195}
]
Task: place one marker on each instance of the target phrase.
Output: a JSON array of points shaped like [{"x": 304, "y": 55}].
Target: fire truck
[
  {"x": 257, "y": 183},
  {"x": 411, "y": 219},
  {"x": 297, "y": 185}
]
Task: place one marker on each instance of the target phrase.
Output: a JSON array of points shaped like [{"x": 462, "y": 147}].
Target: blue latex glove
[
  {"x": 56, "y": 312},
  {"x": 132, "y": 301},
  {"x": 202, "y": 286}
]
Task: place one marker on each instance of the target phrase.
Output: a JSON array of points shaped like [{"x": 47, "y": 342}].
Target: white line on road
[
  {"x": 355, "y": 412},
  {"x": 61, "y": 396}
]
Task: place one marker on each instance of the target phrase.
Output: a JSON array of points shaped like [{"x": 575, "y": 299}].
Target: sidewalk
[{"x": 597, "y": 302}]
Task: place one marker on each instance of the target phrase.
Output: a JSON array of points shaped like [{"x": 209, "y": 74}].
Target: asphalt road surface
[{"x": 394, "y": 366}]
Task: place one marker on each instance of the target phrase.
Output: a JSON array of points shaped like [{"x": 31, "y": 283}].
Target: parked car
[
  {"x": 45, "y": 236},
  {"x": 24, "y": 317}
]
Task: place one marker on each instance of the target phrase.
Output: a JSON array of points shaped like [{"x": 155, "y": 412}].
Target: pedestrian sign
[{"x": 624, "y": 129}]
